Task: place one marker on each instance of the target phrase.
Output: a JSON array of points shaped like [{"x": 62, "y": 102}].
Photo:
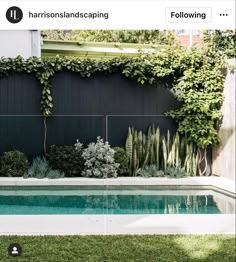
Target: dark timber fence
[{"x": 84, "y": 108}]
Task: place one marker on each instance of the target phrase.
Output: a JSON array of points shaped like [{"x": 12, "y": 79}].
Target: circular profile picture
[
  {"x": 14, "y": 250},
  {"x": 14, "y": 14}
]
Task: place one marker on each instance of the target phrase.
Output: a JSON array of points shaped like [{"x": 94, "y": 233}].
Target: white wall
[
  {"x": 25, "y": 43},
  {"x": 224, "y": 156}
]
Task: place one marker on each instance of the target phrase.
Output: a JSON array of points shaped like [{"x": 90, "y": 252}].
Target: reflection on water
[
  {"x": 115, "y": 204},
  {"x": 225, "y": 206}
]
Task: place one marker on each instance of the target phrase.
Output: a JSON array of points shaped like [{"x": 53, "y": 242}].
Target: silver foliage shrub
[
  {"x": 41, "y": 169},
  {"x": 99, "y": 160}
]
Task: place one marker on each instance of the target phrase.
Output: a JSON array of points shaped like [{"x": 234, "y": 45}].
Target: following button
[{"x": 188, "y": 15}]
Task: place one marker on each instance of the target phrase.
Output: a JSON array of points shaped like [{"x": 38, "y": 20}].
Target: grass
[{"x": 143, "y": 248}]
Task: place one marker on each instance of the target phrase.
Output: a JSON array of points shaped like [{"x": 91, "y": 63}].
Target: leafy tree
[{"x": 224, "y": 41}]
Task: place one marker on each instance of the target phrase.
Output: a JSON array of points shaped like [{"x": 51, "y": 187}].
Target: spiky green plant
[
  {"x": 129, "y": 147},
  {"x": 157, "y": 147},
  {"x": 135, "y": 162},
  {"x": 163, "y": 152},
  {"x": 168, "y": 142},
  {"x": 177, "y": 148}
]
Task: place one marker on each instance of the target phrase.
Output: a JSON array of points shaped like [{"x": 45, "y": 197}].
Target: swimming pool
[
  {"x": 174, "y": 221},
  {"x": 118, "y": 201}
]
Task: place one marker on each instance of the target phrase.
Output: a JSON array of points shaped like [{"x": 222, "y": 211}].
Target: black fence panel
[
  {"x": 84, "y": 108},
  {"x": 111, "y": 94},
  {"x": 24, "y": 133},
  {"x": 20, "y": 94},
  {"x": 65, "y": 130},
  {"x": 21, "y": 123}
]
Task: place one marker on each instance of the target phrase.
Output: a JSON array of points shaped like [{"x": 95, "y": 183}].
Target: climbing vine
[
  {"x": 198, "y": 81},
  {"x": 200, "y": 90},
  {"x": 143, "y": 69}
]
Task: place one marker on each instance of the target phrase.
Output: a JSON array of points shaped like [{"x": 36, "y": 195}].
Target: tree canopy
[{"x": 223, "y": 41}]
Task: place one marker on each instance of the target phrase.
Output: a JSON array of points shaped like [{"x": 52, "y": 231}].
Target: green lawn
[{"x": 122, "y": 248}]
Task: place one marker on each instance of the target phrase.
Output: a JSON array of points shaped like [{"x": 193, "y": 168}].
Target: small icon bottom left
[{"x": 14, "y": 250}]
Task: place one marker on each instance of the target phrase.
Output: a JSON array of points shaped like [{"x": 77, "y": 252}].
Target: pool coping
[
  {"x": 120, "y": 224},
  {"x": 219, "y": 183}
]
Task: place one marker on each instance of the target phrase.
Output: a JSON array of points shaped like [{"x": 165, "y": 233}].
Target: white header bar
[{"x": 128, "y": 14}]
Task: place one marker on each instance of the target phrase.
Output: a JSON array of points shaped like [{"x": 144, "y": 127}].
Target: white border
[{"x": 122, "y": 14}]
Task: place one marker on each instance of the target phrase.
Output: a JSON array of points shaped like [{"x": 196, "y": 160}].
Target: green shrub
[
  {"x": 99, "y": 160},
  {"x": 54, "y": 174},
  {"x": 41, "y": 169},
  {"x": 175, "y": 172},
  {"x": 67, "y": 159},
  {"x": 38, "y": 168},
  {"x": 151, "y": 171},
  {"x": 121, "y": 158},
  {"x": 13, "y": 164}
]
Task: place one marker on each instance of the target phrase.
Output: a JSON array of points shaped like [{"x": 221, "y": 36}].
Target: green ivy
[
  {"x": 145, "y": 68},
  {"x": 200, "y": 90},
  {"x": 198, "y": 76}
]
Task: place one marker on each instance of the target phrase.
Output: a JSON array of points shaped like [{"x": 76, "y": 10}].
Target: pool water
[{"x": 109, "y": 202}]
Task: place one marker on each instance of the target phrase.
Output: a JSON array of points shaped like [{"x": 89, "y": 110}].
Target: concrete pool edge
[
  {"x": 219, "y": 183},
  {"x": 116, "y": 224}
]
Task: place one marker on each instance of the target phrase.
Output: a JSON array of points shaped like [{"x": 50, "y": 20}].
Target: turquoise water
[{"x": 90, "y": 203}]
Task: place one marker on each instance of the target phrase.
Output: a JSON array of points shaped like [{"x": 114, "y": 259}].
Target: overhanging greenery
[
  {"x": 145, "y": 68},
  {"x": 198, "y": 76}
]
